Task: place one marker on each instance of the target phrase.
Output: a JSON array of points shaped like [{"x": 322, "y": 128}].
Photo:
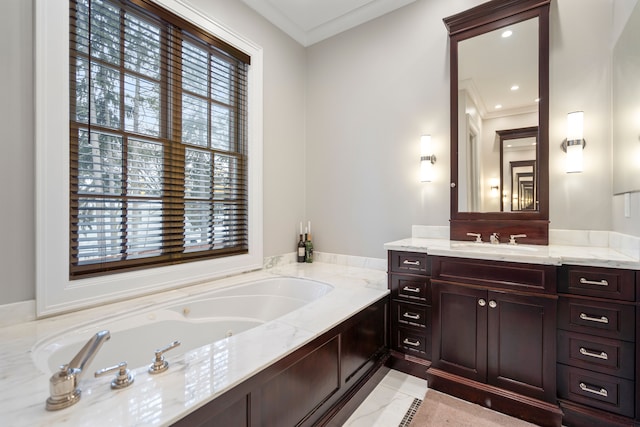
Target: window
[
  {"x": 115, "y": 144},
  {"x": 158, "y": 134}
]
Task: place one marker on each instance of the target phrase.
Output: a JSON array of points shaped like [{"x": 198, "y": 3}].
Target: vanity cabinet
[
  {"x": 410, "y": 311},
  {"x": 597, "y": 345},
  {"x": 494, "y": 335}
]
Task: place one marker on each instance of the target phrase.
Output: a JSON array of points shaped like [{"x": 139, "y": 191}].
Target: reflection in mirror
[
  {"x": 517, "y": 156},
  {"x": 497, "y": 89},
  {"x": 522, "y": 186},
  {"x": 626, "y": 107}
]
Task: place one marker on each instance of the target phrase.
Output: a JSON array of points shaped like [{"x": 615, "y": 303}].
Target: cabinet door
[
  {"x": 521, "y": 344},
  {"x": 459, "y": 330}
]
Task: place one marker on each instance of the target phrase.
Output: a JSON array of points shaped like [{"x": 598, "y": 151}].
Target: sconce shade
[
  {"x": 575, "y": 125},
  {"x": 427, "y": 159},
  {"x": 575, "y": 142}
]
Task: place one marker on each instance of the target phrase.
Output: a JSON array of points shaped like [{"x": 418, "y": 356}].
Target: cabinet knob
[
  {"x": 493, "y": 304},
  {"x": 482, "y": 302}
]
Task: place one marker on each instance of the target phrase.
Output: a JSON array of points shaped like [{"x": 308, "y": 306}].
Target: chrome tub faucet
[{"x": 63, "y": 385}]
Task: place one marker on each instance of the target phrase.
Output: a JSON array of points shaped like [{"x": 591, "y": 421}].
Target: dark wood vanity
[{"x": 551, "y": 345}]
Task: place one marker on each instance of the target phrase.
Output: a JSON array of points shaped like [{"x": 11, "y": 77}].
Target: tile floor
[{"x": 388, "y": 403}]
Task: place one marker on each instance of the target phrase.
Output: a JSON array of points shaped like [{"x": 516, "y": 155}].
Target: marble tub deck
[{"x": 194, "y": 378}]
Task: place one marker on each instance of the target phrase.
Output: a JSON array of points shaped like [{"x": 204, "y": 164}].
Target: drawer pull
[
  {"x": 410, "y": 289},
  {"x": 411, "y": 316},
  {"x": 592, "y": 282},
  {"x": 602, "y": 392},
  {"x": 602, "y": 355},
  {"x": 407, "y": 341},
  {"x": 407, "y": 262},
  {"x": 601, "y": 319}
]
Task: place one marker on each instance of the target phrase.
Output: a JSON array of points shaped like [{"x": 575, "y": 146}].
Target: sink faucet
[
  {"x": 513, "y": 237},
  {"x": 494, "y": 238},
  {"x": 478, "y": 237},
  {"x": 63, "y": 385}
]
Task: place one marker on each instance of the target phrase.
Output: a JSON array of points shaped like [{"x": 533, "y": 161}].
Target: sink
[{"x": 490, "y": 248}]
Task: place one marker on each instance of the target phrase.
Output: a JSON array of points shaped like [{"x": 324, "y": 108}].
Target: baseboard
[{"x": 498, "y": 399}]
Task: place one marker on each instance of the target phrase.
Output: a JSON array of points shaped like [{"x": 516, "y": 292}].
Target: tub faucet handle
[
  {"x": 159, "y": 364},
  {"x": 123, "y": 378}
]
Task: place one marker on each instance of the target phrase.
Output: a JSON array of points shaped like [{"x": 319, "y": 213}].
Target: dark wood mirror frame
[{"x": 470, "y": 23}]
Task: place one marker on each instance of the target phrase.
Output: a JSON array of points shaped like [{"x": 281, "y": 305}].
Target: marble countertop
[
  {"x": 553, "y": 254},
  {"x": 194, "y": 378}
]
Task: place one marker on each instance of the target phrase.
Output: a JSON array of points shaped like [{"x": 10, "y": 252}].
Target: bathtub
[{"x": 194, "y": 321}]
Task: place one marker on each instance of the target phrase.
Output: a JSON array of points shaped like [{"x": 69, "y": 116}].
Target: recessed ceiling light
[
  {"x": 506, "y": 34},
  {"x": 498, "y": 106},
  {"x": 515, "y": 87},
  {"x": 536, "y": 100}
]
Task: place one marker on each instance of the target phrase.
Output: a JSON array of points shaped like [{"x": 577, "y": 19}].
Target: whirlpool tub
[{"x": 194, "y": 322}]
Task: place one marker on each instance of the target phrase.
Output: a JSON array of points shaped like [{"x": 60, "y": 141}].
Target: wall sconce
[
  {"x": 427, "y": 159},
  {"x": 494, "y": 186},
  {"x": 575, "y": 143}
]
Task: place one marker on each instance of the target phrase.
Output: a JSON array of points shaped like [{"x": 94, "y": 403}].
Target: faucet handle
[
  {"x": 123, "y": 378},
  {"x": 513, "y": 237},
  {"x": 159, "y": 364},
  {"x": 478, "y": 237}
]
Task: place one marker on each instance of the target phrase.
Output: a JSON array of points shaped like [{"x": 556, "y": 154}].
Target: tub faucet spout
[{"x": 63, "y": 385}]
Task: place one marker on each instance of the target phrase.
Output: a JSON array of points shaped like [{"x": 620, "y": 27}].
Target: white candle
[
  {"x": 309, "y": 227},
  {"x": 300, "y": 227}
]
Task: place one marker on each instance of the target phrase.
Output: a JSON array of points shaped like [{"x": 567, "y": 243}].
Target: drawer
[
  {"x": 604, "y": 355},
  {"x": 496, "y": 274},
  {"x": 411, "y": 288},
  {"x": 416, "y": 315},
  {"x": 413, "y": 341},
  {"x": 600, "y": 391},
  {"x": 604, "y": 319},
  {"x": 409, "y": 262},
  {"x": 598, "y": 282}
]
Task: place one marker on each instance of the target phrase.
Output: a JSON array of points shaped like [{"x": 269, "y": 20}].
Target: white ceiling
[{"x": 310, "y": 21}]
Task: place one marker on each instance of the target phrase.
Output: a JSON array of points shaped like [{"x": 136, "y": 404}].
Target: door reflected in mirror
[{"x": 497, "y": 89}]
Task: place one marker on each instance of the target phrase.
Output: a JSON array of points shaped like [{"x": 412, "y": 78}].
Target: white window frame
[{"x": 55, "y": 293}]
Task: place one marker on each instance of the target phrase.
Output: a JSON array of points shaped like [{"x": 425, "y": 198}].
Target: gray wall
[
  {"x": 374, "y": 90},
  {"x": 342, "y": 122},
  {"x": 17, "y": 182}
]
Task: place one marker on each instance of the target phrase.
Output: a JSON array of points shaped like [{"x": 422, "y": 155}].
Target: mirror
[
  {"x": 499, "y": 119},
  {"x": 626, "y": 108}
]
